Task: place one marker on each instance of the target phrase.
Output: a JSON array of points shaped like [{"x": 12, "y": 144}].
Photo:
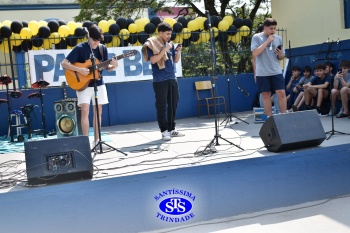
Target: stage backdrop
[{"x": 46, "y": 65}]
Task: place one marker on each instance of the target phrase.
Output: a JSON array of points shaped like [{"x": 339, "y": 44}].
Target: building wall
[{"x": 310, "y": 22}]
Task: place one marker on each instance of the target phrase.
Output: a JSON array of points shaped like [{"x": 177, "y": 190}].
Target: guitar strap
[{"x": 101, "y": 51}]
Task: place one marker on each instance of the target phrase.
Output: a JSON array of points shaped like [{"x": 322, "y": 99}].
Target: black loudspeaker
[
  {"x": 56, "y": 160},
  {"x": 292, "y": 131},
  {"x": 67, "y": 118}
]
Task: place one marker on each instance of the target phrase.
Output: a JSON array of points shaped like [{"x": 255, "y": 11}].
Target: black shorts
[{"x": 270, "y": 83}]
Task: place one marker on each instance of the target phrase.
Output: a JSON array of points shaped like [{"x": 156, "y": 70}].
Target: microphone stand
[
  {"x": 98, "y": 147},
  {"x": 328, "y": 58},
  {"x": 230, "y": 115},
  {"x": 215, "y": 140}
]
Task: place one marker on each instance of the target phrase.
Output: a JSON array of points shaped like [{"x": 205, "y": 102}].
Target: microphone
[{"x": 270, "y": 46}]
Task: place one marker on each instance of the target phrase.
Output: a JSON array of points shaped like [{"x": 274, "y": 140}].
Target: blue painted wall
[{"x": 133, "y": 102}]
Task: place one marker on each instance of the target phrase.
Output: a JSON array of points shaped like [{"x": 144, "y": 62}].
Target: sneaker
[
  {"x": 166, "y": 136},
  {"x": 175, "y": 133},
  {"x": 295, "y": 108}
]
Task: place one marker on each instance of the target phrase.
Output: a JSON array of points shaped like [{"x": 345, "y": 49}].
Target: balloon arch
[{"x": 58, "y": 34}]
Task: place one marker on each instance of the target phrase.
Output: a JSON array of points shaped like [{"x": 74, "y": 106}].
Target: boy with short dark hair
[
  {"x": 317, "y": 88},
  {"x": 342, "y": 88},
  {"x": 290, "y": 88}
]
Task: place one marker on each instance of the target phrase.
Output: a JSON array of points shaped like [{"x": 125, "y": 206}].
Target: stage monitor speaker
[
  {"x": 67, "y": 118},
  {"x": 292, "y": 131},
  {"x": 56, "y": 160}
]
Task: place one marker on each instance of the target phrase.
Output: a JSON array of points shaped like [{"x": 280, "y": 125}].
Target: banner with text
[{"x": 46, "y": 65}]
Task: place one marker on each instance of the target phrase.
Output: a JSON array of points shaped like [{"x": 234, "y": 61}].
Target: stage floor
[{"x": 146, "y": 152}]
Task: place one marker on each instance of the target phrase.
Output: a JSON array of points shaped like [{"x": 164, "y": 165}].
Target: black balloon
[
  {"x": 114, "y": 29},
  {"x": 128, "y": 22},
  {"x": 155, "y": 20},
  {"x": 248, "y": 23},
  {"x": 37, "y": 41},
  {"x": 177, "y": 27},
  {"x": 223, "y": 37},
  {"x": 194, "y": 36},
  {"x": 1, "y": 39},
  {"x": 79, "y": 32},
  {"x": 142, "y": 37},
  {"x": 214, "y": 21},
  {"x": 53, "y": 25},
  {"x": 124, "y": 43},
  {"x": 186, "y": 42},
  {"x": 17, "y": 48},
  {"x": 61, "y": 45},
  {"x": 71, "y": 40},
  {"x": 16, "y": 26},
  {"x": 122, "y": 23},
  {"x": 232, "y": 30},
  {"x": 62, "y": 22},
  {"x": 173, "y": 36},
  {"x": 5, "y": 31},
  {"x": 132, "y": 38},
  {"x": 183, "y": 21},
  {"x": 107, "y": 37},
  {"x": 44, "y": 32},
  {"x": 25, "y": 24},
  {"x": 26, "y": 45},
  {"x": 87, "y": 24},
  {"x": 238, "y": 22},
  {"x": 206, "y": 24},
  {"x": 150, "y": 28}
]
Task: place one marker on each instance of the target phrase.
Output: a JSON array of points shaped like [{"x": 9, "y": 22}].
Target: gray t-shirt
[
  {"x": 346, "y": 79},
  {"x": 267, "y": 63}
]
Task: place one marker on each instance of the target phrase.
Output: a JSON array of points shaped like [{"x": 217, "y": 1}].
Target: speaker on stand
[{"x": 67, "y": 115}]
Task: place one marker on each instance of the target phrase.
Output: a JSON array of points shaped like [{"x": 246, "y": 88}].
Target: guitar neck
[{"x": 105, "y": 63}]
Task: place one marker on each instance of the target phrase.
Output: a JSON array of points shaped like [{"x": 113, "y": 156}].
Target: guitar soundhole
[{"x": 77, "y": 76}]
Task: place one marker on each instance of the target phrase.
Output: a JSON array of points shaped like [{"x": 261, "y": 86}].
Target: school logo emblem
[{"x": 175, "y": 205}]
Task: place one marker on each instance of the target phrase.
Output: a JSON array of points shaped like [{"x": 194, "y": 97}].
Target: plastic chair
[{"x": 205, "y": 96}]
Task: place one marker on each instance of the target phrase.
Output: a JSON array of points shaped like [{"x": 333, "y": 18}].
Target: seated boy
[
  {"x": 317, "y": 88},
  {"x": 304, "y": 80},
  {"x": 344, "y": 67},
  {"x": 343, "y": 80},
  {"x": 290, "y": 88}
]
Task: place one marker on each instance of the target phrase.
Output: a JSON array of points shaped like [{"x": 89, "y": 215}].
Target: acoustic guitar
[{"x": 79, "y": 82}]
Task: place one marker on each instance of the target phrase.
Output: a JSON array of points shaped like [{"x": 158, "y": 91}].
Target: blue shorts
[{"x": 270, "y": 83}]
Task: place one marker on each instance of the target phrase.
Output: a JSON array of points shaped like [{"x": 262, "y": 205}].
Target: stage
[{"x": 223, "y": 181}]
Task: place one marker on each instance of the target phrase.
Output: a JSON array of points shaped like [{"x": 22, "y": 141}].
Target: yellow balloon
[
  {"x": 42, "y": 23},
  {"x": 229, "y": 19},
  {"x": 185, "y": 33},
  {"x": 114, "y": 43},
  {"x": 54, "y": 38},
  {"x": 169, "y": 21},
  {"x": 34, "y": 27},
  {"x": 111, "y": 21},
  {"x": 103, "y": 24},
  {"x": 47, "y": 43},
  {"x": 37, "y": 48},
  {"x": 26, "y": 33},
  {"x": 137, "y": 43},
  {"x": 204, "y": 36},
  {"x": 197, "y": 42},
  {"x": 7, "y": 23},
  {"x": 140, "y": 25},
  {"x": 4, "y": 46},
  {"x": 124, "y": 34},
  {"x": 63, "y": 31},
  {"x": 223, "y": 25},
  {"x": 178, "y": 39},
  {"x": 132, "y": 28},
  {"x": 15, "y": 39},
  {"x": 79, "y": 25},
  {"x": 145, "y": 20},
  {"x": 236, "y": 38},
  {"x": 215, "y": 31},
  {"x": 192, "y": 25},
  {"x": 69, "y": 47},
  {"x": 244, "y": 30},
  {"x": 72, "y": 26},
  {"x": 81, "y": 40},
  {"x": 200, "y": 22}
]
